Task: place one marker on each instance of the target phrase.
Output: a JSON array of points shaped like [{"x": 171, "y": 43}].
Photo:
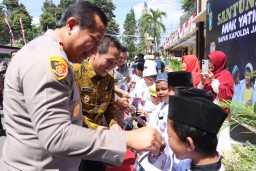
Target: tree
[
  {"x": 11, "y": 4},
  {"x": 153, "y": 22},
  {"x": 4, "y": 30},
  {"x": 15, "y": 18},
  {"x": 33, "y": 32},
  {"x": 63, "y": 5},
  {"x": 48, "y": 17},
  {"x": 108, "y": 7},
  {"x": 129, "y": 34},
  {"x": 187, "y": 5},
  {"x": 14, "y": 11},
  {"x": 141, "y": 23}
]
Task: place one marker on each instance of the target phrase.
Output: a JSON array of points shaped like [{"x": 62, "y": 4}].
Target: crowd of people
[{"x": 70, "y": 95}]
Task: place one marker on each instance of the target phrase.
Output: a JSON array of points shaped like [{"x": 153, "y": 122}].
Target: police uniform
[
  {"x": 43, "y": 118},
  {"x": 97, "y": 96}
]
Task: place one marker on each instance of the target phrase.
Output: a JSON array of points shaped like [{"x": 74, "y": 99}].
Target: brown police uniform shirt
[
  {"x": 43, "y": 115},
  {"x": 97, "y": 96}
]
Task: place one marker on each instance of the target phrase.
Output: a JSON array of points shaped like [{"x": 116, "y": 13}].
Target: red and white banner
[
  {"x": 7, "y": 22},
  {"x": 180, "y": 33},
  {"x": 22, "y": 30}
]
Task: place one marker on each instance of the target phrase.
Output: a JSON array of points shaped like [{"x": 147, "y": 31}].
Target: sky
[{"x": 171, "y": 7}]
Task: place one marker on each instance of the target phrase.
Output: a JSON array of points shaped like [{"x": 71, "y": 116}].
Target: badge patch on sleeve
[
  {"x": 59, "y": 67},
  {"x": 76, "y": 110}
]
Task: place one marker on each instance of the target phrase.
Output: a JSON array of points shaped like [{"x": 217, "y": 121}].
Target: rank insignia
[
  {"x": 86, "y": 99},
  {"x": 76, "y": 110},
  {"x": 59, "y": 67}
]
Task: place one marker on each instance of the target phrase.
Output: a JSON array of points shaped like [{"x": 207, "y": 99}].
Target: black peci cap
[
  {"x": 196, "y": 112},
  {"x": 180, "y": 78},
  {"x": 195, "y": 92}
]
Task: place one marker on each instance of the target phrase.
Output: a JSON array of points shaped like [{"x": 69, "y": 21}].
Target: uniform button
[{"x": 116, "y": 157}]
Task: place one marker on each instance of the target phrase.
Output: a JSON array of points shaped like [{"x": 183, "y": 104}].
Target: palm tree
[{"x": 153, "y": 22}]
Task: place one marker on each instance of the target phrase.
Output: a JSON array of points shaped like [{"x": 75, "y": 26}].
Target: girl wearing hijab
[
  {"x": 190, "y": 64},
  {"x": 218, "y": 80}
]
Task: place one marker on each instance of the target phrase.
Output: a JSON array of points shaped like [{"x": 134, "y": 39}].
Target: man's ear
[
  {"x": 190, "y": 144},
  {"x": 71, "y": 23}
]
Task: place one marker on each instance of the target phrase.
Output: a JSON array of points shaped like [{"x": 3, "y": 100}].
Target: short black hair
[
  {"x": 248, "y": 69},
  {"x": 123, "y": 49},
  {"x": 140, "y": 58},
  {"x": 205, "y": 142},
  {"x": 107, "y": 42},
  {"x": 83, "y": 12},
  {"x": 15, "y": 51},
  {"x": 140, "y": 66},
  {"x": 157, "y": 54}
]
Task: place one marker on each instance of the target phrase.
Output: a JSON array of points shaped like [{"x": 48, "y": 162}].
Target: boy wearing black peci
[{"x": 193, "y": 124}]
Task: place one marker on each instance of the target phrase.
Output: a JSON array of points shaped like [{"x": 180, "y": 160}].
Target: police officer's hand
[
  {"x": 145, "y": 139},
  {"x": 116, "y": 127}
]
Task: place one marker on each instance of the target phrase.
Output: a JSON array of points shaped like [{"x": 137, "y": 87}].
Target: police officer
[{"x": 42, "y": 105}]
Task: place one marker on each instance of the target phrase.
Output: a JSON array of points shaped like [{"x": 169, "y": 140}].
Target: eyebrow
[{"x": 92, "y": 36}]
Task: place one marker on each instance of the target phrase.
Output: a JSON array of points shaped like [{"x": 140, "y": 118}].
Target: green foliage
[
  {"x": 240, "y": 158},
  {"x": 187, "y": 5},
  {"x": 240, "y": 112},
  {"x": 4, "y": 30},
  {"x": 48, "y": 18},
  {"x": 175, "y": 65},
  {"x": 129, "y": 32},
  {"x": 63, "y": 5},
  {"x": 108, "y": 7},
  {"x": 141, "y": 22},
  {"x": 33, "y": 32},
  {"x": 14, "y": 11},
  {"x": 11, "y": 4}
]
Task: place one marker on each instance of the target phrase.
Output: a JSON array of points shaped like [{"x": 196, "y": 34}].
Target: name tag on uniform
[{"x": 86, "y": 89}]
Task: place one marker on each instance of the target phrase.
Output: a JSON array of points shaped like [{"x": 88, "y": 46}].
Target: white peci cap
[
  {"x": 150, "y": 64},
  {"x": 149, "y": 72}
]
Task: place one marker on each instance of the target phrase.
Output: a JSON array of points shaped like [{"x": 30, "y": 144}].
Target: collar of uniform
[
  {"x": 58, "y": 40},
  {"x": 89, "y": 69},
  {"x": 53, "y": 35}
]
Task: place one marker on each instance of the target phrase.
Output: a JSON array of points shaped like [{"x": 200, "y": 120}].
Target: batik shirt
[{"x": 97, "y": 96}]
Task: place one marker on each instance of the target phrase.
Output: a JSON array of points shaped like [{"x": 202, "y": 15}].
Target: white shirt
[{"x": 140, "y": 90}]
